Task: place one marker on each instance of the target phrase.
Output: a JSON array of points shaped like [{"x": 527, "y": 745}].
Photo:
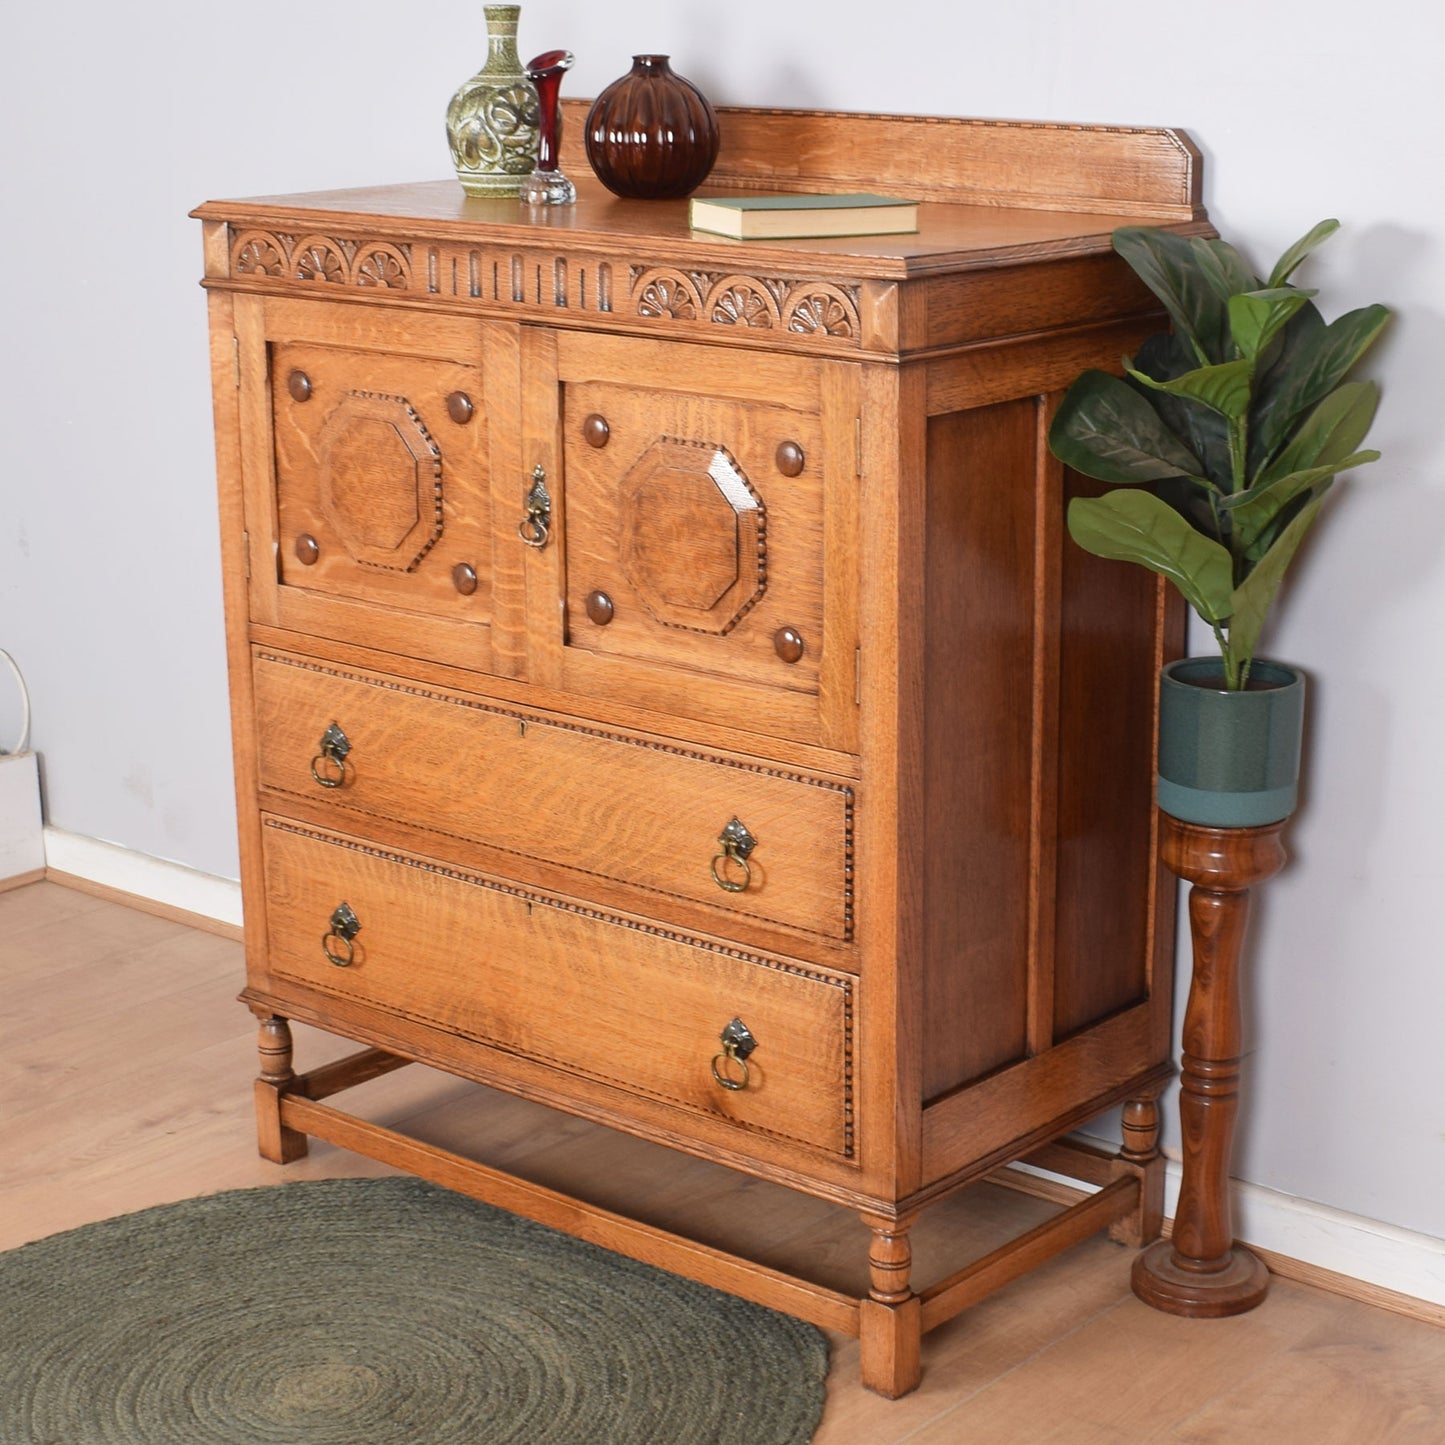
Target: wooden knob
[
  {"x": 599, "y": 608},
  {"x": 789, "y": 458},
  {"x": 299, "y": 385},
  {"x": 595, "y": 430},
  {"x": 788, "y": 643},
  {"x": 460, "y": 408},
  {"x": 307, "y": 549},
  {"x": 464, "y": 578}
]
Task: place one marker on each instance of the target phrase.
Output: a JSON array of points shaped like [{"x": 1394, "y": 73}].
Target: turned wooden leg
[
  {"x": 890, "y": 1319},
  {"x": 1140, "y": 1156},
  {"x": 274, "y": 1140},
  {"x": 1202, "y": 1272}
]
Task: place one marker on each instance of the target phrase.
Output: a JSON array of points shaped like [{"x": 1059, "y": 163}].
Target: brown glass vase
[{"x": 651, "y": 134}]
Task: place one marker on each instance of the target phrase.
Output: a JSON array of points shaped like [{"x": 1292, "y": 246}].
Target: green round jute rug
[{"x": 380, "y": 1312}]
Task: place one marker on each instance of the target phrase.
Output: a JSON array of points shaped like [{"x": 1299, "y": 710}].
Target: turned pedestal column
[{"x": 1201, "y": 1272}]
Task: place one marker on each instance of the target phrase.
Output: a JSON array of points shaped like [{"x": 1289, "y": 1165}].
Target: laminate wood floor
[{"x": 125, "y": 1068}]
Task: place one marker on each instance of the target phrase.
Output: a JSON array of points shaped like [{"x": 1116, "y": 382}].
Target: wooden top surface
[
  {"x": 992, "y": 192},
  {"x": 950, "y": 237}
]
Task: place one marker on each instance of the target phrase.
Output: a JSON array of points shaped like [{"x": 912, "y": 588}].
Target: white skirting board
[
  {"x": 1395, "y": 1259},
  {"x": 1400, "y": 1260},
  {"x": 154, "y": 878},
  {"x": 1364, "y": 1249}
]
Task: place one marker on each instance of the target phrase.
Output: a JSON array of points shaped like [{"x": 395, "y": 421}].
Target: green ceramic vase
[
  {"x": 492, "y": 122},
  {"x": 1229, "y": 759}
]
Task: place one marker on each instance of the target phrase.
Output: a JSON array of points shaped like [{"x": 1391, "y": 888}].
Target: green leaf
[
  {"x": 1224, "y": 388},
  {"x": 1257, "y": 317},
  {"x": 1253, "y": 597},
  {"x": 1137, "y": 527},
  {"x": 1254, "y": 510},
  {"x": 1165, "y": 356},
  {"x": 1106, "y": 429},
  {"x": 1223, "y": 267},
  {"x": 1310, "y": 369},
  {"x": 1334, "y": 429},
  {"x": 1284, "y": 267},
  {"x": 1167, "y": 265}
]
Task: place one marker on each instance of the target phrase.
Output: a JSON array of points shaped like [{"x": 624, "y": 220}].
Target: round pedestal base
[{"x": 1239, "y": 1286}]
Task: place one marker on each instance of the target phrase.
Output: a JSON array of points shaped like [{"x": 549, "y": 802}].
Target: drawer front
[
  {"x": 611, "y": 998},
  {"x": 372, "y": 475},
  {"x": 710, "y": 502},
  {"x": 643, "y": 812}
]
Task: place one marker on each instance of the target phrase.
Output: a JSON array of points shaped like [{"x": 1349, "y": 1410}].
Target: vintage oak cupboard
[{"x": 662, "y": 688}]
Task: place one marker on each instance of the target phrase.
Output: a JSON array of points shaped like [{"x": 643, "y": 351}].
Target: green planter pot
[{"x": 1229, "y": 759}]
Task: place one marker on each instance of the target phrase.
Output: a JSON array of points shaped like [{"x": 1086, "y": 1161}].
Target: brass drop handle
[
  {"x": 335, "y": 745},
  {"x": 342, "y": 929},
  {"x": 737, "y": 1044},
  {"x": 536, "y": 525},
  {"x": 736, "y": 844}
]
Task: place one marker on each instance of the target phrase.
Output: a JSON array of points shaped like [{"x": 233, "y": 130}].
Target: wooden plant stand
[{"x": 1201, "y": 1272}]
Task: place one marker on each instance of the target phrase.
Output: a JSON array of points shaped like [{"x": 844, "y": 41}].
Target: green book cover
[{"x": 800, "y": 203}]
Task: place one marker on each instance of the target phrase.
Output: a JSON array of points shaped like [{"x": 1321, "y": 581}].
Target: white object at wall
[{"x": 22, "y": 848}]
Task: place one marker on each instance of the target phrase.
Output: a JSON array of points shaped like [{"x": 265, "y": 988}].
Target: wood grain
[
  {"x": 993, "y": 162},
  {"x": 608, "y": 805},
  {"x": 978, "y": 629},
  {"x": 636, "y": 1008}
]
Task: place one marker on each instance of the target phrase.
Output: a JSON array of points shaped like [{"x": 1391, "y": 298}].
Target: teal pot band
[{"x": 1229, "y": 759}]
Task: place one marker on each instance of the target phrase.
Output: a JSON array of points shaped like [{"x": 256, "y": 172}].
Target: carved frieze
[{"x": 818, "y": 313}]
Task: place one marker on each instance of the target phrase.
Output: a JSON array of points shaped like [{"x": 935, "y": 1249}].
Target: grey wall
[{"x": 116, "y": 120}]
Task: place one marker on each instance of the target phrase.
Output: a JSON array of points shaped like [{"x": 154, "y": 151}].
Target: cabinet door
[
  {"x": 706, "y": 513},
  {"x": 369, "y": 437}
]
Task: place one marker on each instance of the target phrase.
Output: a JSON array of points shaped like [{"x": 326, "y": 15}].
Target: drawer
[
  {"x": 371, "y": 477},
  {"x": 639, "y": 811},
  {"x": 611, "y": 998}
]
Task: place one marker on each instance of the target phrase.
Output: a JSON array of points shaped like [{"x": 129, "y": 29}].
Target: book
[{"x": 792, "y": 217}]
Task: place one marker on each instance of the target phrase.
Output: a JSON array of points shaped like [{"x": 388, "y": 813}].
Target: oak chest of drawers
[{"x": 662, "y": 688}]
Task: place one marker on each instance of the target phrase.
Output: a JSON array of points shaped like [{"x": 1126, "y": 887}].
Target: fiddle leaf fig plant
[{"x": 1225, "y": 434}]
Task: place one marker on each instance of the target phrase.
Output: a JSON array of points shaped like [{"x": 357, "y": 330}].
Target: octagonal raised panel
[
  {"x": 691, "y": 535},
  {"x": 380, "y": 481}
]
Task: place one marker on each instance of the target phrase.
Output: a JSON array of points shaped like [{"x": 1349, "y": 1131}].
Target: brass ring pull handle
[
  {"x": 737, "y": 844},
  {"x": 535, "y": 527},
  {"x": 343, "y": 927},
  {"x": 334, "y": 747},
  {"x": 737, "y": 1044}
]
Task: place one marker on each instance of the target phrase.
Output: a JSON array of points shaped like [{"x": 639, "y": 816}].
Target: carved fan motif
[
  {"x": 824, "y": 311},
  {"x": 319, "y": 261},
  {"x": 668, "y": 294},
  {"x": 258, "y": 255},
  {"x": 742, "y": 301},
  {"x": 382, "y": 266}
]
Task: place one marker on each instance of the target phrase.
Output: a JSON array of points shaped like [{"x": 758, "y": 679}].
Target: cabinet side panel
[
  {"x": 978, "y": 631},
  {"x": 1108, "y": 667}
]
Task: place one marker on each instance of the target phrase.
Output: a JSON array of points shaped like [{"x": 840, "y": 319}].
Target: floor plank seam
[{"x": 1021, "y": 1364}]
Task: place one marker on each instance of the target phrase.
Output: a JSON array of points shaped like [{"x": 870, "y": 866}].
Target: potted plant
[{"x": 1221, "y": 440}]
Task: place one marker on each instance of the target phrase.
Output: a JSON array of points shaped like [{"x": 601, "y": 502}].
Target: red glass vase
[{"x": 651, "y": 134}]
